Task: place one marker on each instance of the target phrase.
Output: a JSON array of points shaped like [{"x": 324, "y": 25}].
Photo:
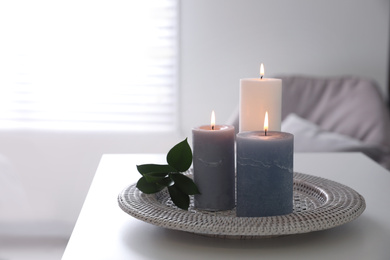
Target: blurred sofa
[{"x": 335, "y": 114}]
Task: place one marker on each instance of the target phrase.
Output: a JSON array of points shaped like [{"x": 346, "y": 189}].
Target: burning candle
[
  {"x": 213, "y": 164},
  {"x": 264, "y": 173},
  {"x": 258, "y": 95}
]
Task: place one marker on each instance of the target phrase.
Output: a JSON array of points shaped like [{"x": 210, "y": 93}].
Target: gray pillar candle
[
  {"x": 213, "y": 163},
  {"x": 264, "y": 173}
]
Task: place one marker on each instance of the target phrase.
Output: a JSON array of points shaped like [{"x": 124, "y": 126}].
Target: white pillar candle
[{"x": 258, "y": 95}]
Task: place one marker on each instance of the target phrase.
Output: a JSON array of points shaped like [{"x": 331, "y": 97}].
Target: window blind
[{"x": 102, "y": 65}]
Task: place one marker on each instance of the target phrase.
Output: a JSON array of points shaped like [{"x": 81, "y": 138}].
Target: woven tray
[{"x": 318, "y": 204}]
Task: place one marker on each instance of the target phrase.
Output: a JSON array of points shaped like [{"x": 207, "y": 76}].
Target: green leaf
[
  {"x": 165, "y": 182},
  {"x": 178, "y": 197},
  {"x": 180, "y": 156},
  {"x": 154, "y": 168},
  {"x": 148, "y": 187},
  {"x": 185, "y": 184},
  {"x": 154, "y": 176}
]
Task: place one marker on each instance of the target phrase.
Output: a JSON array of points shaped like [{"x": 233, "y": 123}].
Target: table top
[{"x": 104, "y": 231}]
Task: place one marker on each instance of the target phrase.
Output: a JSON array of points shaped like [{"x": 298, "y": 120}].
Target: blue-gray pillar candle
[
  {"x": 264, "y": 173},
  {"x": 213, "y": 163}
]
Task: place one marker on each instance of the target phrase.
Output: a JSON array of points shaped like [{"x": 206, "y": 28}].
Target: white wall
[
  {"x": 223, "y": 41},
  {"x": 45, "y": 175}
]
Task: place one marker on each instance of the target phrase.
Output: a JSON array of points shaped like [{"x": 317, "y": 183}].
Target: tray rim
[{"x": 343, "y": 204}]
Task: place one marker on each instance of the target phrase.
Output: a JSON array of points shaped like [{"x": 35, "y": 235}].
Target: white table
[{"x": 104, "y": 231}]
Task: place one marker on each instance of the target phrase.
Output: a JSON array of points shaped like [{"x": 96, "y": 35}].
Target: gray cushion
[
  {"x": 349, "y": 106},
  {"x": 309, "y": 137},
  {"x": 346, "y": 105}
]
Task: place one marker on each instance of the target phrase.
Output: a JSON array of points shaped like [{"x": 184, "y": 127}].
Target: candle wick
[
  {"x": 265, "y": 132},
  {"x": 261, "y": 77},
  {"x": 212, "y": 127}
]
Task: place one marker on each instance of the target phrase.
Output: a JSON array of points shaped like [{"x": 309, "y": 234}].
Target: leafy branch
[{"x": 156, "y": 177}]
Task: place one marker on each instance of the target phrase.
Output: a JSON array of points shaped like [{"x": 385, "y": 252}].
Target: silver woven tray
[{"x": 318, "y": 204}]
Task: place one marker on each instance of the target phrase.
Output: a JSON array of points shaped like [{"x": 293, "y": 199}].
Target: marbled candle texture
[
  {"x": 213, "y": 163},
  {"x": 264, "y": 173}
]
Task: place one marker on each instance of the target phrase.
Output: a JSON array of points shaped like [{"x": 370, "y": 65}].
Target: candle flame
[
  {"x": 266, "y": 123},
  {"x": 261, "y": 70},
  {"x": 212, "y": 120}
]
